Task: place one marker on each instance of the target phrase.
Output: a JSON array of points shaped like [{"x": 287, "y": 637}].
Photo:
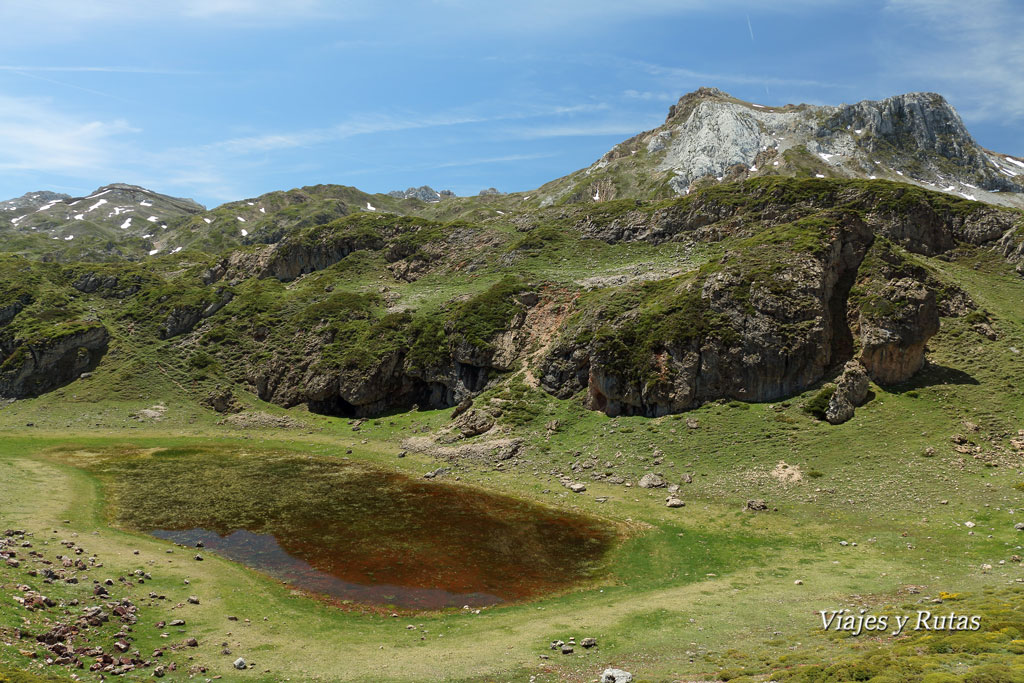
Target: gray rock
[
  {"x": 651, "y": 481},
  {"x": 851, "y": 392},
  {"x": 616, "y": 676},
  {"x": 239, "y": 663},
  {"x": 673, "y": 502}
]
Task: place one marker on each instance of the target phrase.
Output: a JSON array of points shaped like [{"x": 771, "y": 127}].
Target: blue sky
[{"x": 226, "y": 99}]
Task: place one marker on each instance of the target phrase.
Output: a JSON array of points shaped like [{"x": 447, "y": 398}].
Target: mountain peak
[{"x": 710, "y": 136}]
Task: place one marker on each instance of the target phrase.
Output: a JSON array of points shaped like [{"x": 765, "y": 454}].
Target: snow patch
[
  {"x": 127, "y": 223},
  {"x": 98, "y": 194},
  {"x": 899, "y": 172},
  {"x": 208, "y": 220},
  {"x": 79, "y": 216},
  {"x": 145, "y": 203},
  {"x": 759, "y": 106},
  {"x": 370, "y": 206},
  {"x": 859, "y": 131},
  {"x": 1015, "y": 162},
  {"x": 153, "y": 251},
  {"x": 146, "y": 237},
  {"x": 245, "y": 233},
  {"x": 240, "y": 219},
  {"x": 775, "y": 163},
  {"x": 152, "y": 219},
  {"x": 175, "y": 250},
  {"x": 96, "y": 205},
  {"x": 818, "y": 175},
  {"x": 824, "y": 156},
  {"x": 69, "y": 238}
]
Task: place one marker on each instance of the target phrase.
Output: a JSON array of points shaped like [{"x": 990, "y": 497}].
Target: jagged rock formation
[{"x": 424, "y": 193}]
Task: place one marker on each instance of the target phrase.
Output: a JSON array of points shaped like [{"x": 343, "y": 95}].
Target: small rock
[
  {"x": 199, "y": 558},
  {"x": 588, "y": 642},
  {"x": 239, "y": 663},
  {"x": 673, "y": 502},
  {"x": 756, "y": 505},
  {"x": 567, "y": 649},
  {"x": 193, "y": 600},
  {"x": 798, "y": 582}
]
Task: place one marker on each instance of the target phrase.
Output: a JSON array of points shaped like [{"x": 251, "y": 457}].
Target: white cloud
[
  {"x": 36, "y": 136},
  {"x": 971, "y": 52}
]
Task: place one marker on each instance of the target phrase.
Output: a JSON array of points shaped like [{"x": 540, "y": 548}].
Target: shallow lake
[{"x": 353, "y": 532}]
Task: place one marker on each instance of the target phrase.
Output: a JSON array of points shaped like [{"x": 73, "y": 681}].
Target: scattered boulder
[
  {"x": 673, "y": 502},
  {"x": 577, "y": 488},
  {"x": 651, "y": 481},
  {"x": 851, "y": 392},
  {"x": 616, "y": 676},
  {"x": 474, "y": 423},
  {"x": 756, "y": 505},
  {"x": 239, "y": 663},
  {"x": 222, "y": 401},
  {"x": 588, "y": 642}
]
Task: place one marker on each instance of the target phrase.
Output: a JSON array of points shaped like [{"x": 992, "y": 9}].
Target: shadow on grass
[{"x": 933, "y": 374}]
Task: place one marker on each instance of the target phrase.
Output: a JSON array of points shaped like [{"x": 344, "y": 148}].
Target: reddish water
[{"x": 355, "y": 533}]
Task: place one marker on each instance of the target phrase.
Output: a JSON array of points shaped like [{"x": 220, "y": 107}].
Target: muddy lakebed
[{"x": 350, "y": 531}]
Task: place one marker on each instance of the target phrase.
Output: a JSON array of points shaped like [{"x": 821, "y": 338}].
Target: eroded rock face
[
  {"x": 851, "y": 392},
  {"x": 770, "y": 337},
  {"x": 893, "y": 343},
  {"x": 34, "y": 368}
]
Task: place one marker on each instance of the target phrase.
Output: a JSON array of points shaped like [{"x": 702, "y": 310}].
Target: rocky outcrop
[
  {"x": 893, "y": 336},
  {"x": 297, "y": 256},
  {"x": 424, "y": 193},
  {"x": 851, "y": 392},
  {"x": 182, "y": 319},
  {"x": 399, "y": 378},
  {"x": 107, "y": 285},
  {"x": 741, "y": 332},
  {"x": 33, "y": 368}
]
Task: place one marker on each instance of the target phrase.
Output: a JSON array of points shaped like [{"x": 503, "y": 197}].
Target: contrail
[{"x": 751, "y": 29}]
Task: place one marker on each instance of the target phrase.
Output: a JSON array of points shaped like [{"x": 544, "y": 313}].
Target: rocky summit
[{"x": 711, "y": 137}]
